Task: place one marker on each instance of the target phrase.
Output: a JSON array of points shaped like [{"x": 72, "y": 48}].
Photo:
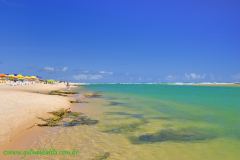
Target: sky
[{"x": 121, "y": 40}]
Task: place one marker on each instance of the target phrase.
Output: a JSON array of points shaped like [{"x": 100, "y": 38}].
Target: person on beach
[{"x": 68, "y": 86}]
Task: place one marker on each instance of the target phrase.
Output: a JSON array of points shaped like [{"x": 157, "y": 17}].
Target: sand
[{"x": 21, "y": 105}]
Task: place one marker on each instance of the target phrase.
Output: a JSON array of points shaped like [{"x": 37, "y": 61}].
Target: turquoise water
[
  {"x": 150, "y": 122},
  {"x": 149, "y": 115}
]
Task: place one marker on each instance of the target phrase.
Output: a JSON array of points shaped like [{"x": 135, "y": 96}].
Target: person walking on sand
[{"x": 68, "y": 86}]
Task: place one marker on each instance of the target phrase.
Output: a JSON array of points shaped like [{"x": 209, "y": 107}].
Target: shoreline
[
  {"x": 21, "y": 105},
  {"x": 31, "y": 138}
]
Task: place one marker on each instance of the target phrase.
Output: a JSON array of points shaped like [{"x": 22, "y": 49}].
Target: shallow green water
[{"x": 155, "y": 114}]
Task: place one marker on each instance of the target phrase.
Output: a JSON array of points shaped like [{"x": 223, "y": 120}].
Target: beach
[
  {"x": 146, "y": 122},
  {"x": 21, "y": 105},
  {"x": 119, "y": 80}
]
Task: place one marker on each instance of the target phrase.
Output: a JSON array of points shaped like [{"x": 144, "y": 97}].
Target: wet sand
[
  {"x": 61, "y": 138},
  {"x": 21, "y": 105},
  {"x": 88, "y": 140}
]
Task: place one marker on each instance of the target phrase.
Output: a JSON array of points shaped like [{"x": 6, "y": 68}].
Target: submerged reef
[{"x": 182, "y": 135}]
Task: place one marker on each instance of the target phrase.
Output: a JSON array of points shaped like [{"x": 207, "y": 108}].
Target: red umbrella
[{"x": 3, "y": 75}]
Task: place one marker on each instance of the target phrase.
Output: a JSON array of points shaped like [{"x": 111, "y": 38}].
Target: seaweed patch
[
  {"x": 113, "y": 103},
  {"x": 77, "y": 101},
  {"x": 92, "y": 95},
  {"x": 183, "y": 135},
  {"x": 133, "y": 115},
  {"x": 62, "y": 93},
  {"x": 66, "y": 118},
  {"x": 126, "y": 128}
]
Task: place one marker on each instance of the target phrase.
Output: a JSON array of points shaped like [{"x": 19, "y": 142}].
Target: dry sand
[{"x": 21, "y": 105}]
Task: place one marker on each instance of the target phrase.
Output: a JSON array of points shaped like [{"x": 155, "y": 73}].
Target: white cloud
[
  {"x": 194, "y": 76},
  {"x": 170, "y": 77},
  {"x": 64, "y": 69},
  {"x": 105, "y": 72},
  {"x": 55, "y": 69},
  {"x": 91, "y": 75},
  {"x": 49, "y": 69},
  {"x": 87, "y": 77}
]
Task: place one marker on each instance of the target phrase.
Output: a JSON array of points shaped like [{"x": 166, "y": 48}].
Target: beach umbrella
[
  {"x": 19, "y": 76},
  {"x": 3, "y": 75},
  {"x": 11, "y": 76},
  {"x": 27, "y": 78},
  {"x": 33, "y": 77}
]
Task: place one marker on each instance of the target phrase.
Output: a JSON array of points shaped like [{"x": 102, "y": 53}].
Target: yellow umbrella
[
  {"x": 19, "y": 76},
  {"x": 27, "y": 77},
  {"x": 33, "y": 77}
]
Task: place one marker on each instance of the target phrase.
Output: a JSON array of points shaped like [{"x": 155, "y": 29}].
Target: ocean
[{"x": 171, "y": 121}]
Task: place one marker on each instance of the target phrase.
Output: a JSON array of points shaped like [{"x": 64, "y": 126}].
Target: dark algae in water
[
  {"x": 77, "y": 101},
  {"x": 132, "y": 115},
  {"x": 92, "y": 95},
  {"x": 102, "y": 156},
  {"x": 113, "y": 103},
  {"x": 80, "y": 120},
  {"x": 62, "y": 93},
  {"x": 183, "y": 135},
  {"x": 66, "y": 118},
  {"x": 127, "y": 128}
]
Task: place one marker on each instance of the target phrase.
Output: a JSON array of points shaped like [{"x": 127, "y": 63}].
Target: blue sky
[{"x": 121, "y": 40}]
